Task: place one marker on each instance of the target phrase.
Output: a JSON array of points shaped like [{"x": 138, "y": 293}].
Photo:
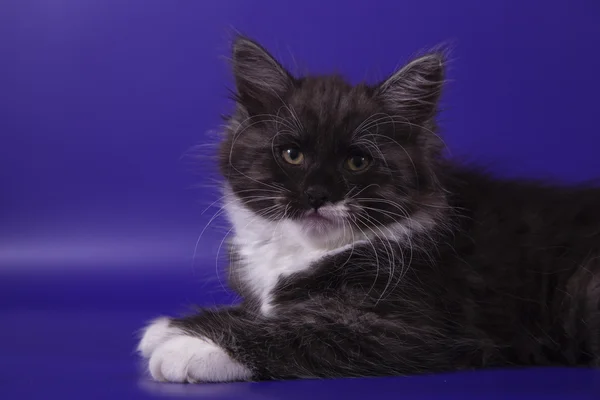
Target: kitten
[{"x": 360, "y": 251}]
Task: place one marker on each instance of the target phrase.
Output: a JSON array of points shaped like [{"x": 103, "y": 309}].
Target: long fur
[{"x": 428, "y": 265}]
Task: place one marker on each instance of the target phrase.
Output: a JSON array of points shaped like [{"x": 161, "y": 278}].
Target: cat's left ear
[{"x": 413, "y": 92}]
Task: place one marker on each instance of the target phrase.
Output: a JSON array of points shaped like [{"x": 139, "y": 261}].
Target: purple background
[{"x": 100, "y": 210}]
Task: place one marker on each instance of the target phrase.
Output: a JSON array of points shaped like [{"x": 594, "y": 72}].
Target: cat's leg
[
  {"x": 593, "y": 310},
  {"x": 173, "y": 355},
  {"x": 232, "y": 345},
  {"x": 580, "y": 314}
]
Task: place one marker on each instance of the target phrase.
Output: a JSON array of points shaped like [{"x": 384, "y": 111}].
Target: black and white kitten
[{"x": 360, "y": 251}]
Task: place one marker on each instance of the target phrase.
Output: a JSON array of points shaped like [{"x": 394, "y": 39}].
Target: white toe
[{"x": 156, "y": 333}]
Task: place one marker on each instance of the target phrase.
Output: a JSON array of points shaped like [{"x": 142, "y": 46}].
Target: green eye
[
  {"x": 293, "y": 156},
  {"x": 357, "y": 163}
]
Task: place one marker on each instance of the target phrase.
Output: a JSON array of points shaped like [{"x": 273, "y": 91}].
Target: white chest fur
[{"x": 274, "y": 249}]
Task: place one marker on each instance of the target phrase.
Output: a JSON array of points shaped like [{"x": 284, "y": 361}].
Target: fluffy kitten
[{"x": 360, "y": 251}]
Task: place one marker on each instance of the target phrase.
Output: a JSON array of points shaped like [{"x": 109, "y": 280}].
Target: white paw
[
  {"x": 177, "y": 357},
  {"x": 156, "y": 333}
]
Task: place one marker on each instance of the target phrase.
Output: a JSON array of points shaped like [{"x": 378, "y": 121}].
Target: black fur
[{"x": 505, "y": 272}]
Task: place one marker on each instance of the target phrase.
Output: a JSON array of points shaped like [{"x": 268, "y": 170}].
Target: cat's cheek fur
[{"x": 174, "y": 356}]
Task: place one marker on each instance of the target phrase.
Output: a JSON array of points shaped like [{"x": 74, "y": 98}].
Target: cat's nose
[{"x": 316, "y": 196}]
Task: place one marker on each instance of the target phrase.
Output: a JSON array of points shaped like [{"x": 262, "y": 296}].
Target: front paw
[
  {"x": 174, "y": 356},
  {"x": 154, "y": 334}
]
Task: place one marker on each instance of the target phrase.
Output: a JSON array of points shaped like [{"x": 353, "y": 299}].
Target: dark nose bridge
[{"x": 319, "y": 177}]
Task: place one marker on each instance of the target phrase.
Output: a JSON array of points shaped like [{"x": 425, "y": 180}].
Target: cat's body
[{"x": 360, "y": 251}]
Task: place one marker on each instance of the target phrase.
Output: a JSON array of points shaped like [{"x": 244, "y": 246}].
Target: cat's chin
[{"x": 319, "y": 224}]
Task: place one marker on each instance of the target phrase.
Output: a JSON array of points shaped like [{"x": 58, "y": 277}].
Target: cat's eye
[
  {"x": 357, "y": 162},
  {"x": 292, "y": 156}
]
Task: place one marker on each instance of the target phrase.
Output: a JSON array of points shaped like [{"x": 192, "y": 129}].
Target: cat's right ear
[{"x": 260, "y": 80}]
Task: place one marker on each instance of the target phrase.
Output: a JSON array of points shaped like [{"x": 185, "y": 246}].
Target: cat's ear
[
  {"x": 413, "y": 91},
  {"x": 260, "y": 80}
]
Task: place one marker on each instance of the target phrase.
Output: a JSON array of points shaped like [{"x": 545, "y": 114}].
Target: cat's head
[{"x": 329, "y": 155}]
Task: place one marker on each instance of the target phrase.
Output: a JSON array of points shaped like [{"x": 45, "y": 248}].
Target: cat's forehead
[{"x": 330, "y": 102}]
